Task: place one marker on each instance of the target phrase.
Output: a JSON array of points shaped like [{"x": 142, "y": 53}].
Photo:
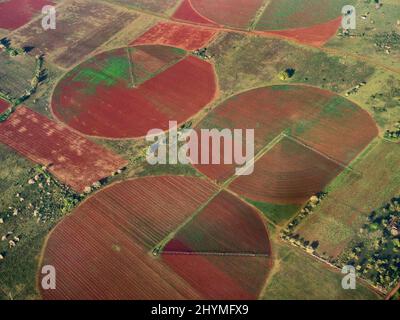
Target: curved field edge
[
  {"x": 145, "y": 240},
  {"x": 271, "y": 110},
  {"x": 199, "y": 88}
]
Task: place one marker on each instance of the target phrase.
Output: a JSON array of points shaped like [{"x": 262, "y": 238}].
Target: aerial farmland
[{"x": 199, "y": 150}]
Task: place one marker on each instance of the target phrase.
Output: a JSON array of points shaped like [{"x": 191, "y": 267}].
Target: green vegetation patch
[
  {"x": 288, "y": 14},
  {"x": 300, "y": 277},
  {"x": 115, "y": 69},
  {"x": 31, "y": 204},
  {"x": 278, "y": 214}
]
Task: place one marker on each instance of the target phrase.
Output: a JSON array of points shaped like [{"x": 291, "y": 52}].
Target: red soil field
[
  {"x": 223, "y": 242},
  {"x": 317, "y": 35},
  {"x": 232, "y": 13},
  {"x": 322, "y": 120},
  {"x": 187, "y": 13},
  {"x": 118, "y": 110},
  {"x": 16, "y": 13},
  {"x": 221, "y": 277},
  {"x": 288, "y": 174},
  {"x": 3, "y": 106},
  {"x": 103, "y": 250},
  {"x": 73, "y": 159},
  {"x": 225, "y": 225},
  {"x": 152, "y": 59},
  {"x": 177, "y": 35}
]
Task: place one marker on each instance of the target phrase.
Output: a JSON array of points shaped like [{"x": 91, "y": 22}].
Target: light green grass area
[
  {"x": 297, "y": 276},
  {"x": 288, "y": 14},
  {"x": 351, "y": 198},
  {"x": 377, "y": 23},
  {"x": 244, "y": 62},
  {"x": 115, "y": 68},
  {"x": 29, "y": 212},
  {"x": 278, "y": 214}
]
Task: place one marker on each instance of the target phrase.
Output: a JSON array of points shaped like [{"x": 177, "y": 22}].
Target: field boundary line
[
  {"x": 260, "y": 153},
  {"x": 222, "y": 254},
  {"x": 324, "y": 155},
  {"x": 259, "y": 14},
  {"x": 159, "y": 247},
  {"x": 131, "y": 67}
]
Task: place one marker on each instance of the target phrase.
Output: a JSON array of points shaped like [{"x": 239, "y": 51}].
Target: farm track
[
  {"x": 268, "y": 35},
  {"x": 233, "y": 30}
]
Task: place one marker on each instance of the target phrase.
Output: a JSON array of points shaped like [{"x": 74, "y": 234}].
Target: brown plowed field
[
  {"x": 103, "y": 250},
  {"x": 73, "y": 159},
  {"x": 82, "y": 26},
  {"x": 287, "y": 174},
  {"x": 226, "y": 225},
  {"x": 325, "y": 122},
  {"x": 177, "y": 35}
]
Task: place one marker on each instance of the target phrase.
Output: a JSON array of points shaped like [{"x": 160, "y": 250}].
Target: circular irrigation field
[
  {"x": 304, "y": 137},
  {"x": 276, "y": 15},
  {"x": 104, "y": 249},
  {"x": 125, "y": 92}
]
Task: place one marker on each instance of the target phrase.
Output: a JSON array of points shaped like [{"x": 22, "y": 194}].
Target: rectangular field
[
  {"x": 177, "y": 35},
  {"x": 82, "y": 26},
  {"x": 73, "y": 159},
  {"x": 297, "y": 276},
  {"x": 16, "y": 73},
  {"x": 159, "y": 6},
  {"x": 351, "y": 199}
]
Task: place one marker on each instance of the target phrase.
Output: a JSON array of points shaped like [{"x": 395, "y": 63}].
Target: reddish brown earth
[
  {"x": 103, "y": 250},
  {"x": 16, "y": 13},
  {"x": 317, "y": 35},
  {"x": 226, "y": 225},
  {"x": 326, "y": 123},
  {"x": 187, "y": 13},
  {"x": 112, "y": 108},
  {"x": 73, "y": 159},
  {"x": 177, "y": 35},
  {"x": 232, "y": 13},
  {"x": 287, "y": 174},
  {"x": 82, "y": 27},
  {"x": 3, "y": 106},
  {"x": 221, "y": 277}
]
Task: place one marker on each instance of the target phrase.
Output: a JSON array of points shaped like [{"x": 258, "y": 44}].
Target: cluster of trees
[
  {"x": 393, "y": 134},
  {"x": 286, "y": 74},
  {"x": 387, "y": 41},
  {"x": 288, "y": 233},
  {"x": 5, "y": 44},
  {"x": 202, "y": 53},
  {"x": 375, "y": 253},
  {"x": 42, "y": 200},
  {"x": 39, "y": 75}
]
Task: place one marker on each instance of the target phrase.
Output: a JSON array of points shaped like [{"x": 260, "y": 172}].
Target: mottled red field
[
  {"x": 73, "y": 159},
  {"x": 103, "y": 250},
  {"x": 226, "y": 225},
  {"x": 111, "y": 107},
  {"x": 232, "y": 13},
  {"x": 15, "y": 13},
  {"x": 177, "y": 35},
  {"x": 223, "y": 242},
  {"x": 325, "y": 122},
  {"x": 3, "y": 106},
  {"x": 221, "y": 277},
  {"x": 288, "y": 174},
  {"x": 317, "y": 35},
  {"x": 187, "y": 13}
]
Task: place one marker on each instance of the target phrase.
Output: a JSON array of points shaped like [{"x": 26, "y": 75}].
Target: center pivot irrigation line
[
  {"x": 221, "y": 254},
  {"x": 339, "y": 163},
  {"x": 131, "y": 67},
  {"x": 263, "y": 151}
]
